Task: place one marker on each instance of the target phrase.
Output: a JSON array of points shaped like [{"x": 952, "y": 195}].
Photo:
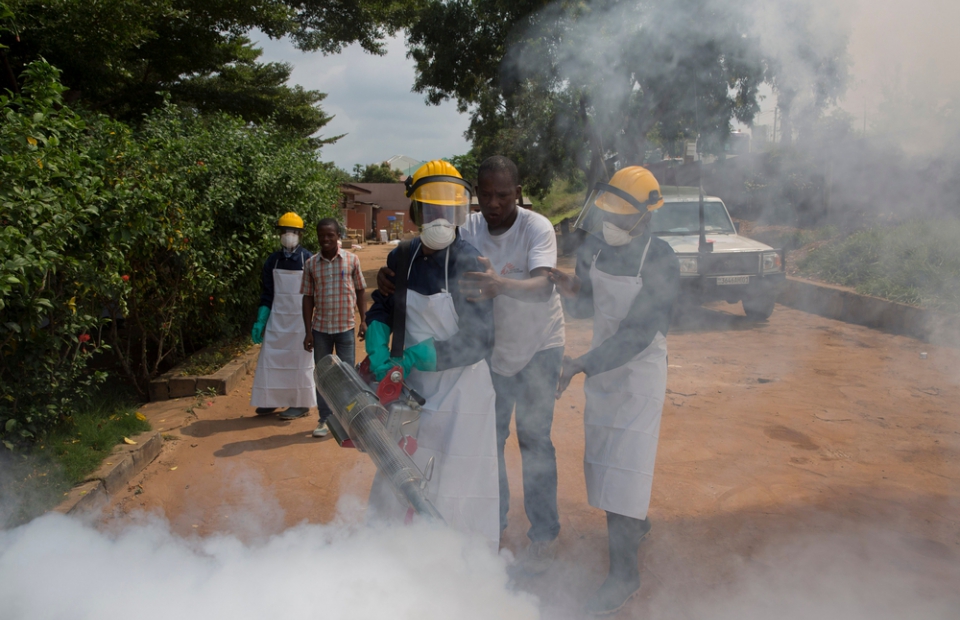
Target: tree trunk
[
  {"x": 598, "y": 169},
  {"x": 11, "y": 79}
]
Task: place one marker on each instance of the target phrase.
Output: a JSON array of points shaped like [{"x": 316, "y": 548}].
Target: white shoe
[{"x": 321, "y": 430}]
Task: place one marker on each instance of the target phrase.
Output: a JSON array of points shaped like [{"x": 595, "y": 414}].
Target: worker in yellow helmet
[
  {"x": 627, "y": 280},
  {"x": 442, "y": 341},
  {"x": 284, "y": 376}
]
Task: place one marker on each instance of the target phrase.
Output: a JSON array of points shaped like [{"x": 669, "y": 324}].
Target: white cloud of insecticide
[{"x": 57, "y": 567}]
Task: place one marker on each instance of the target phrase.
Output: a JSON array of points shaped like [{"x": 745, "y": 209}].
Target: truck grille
[{"x": 732, "y": 264}]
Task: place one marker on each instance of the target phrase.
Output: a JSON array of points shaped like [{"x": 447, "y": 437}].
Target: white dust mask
[
  {"x": 438, "y": 234},
  {"x": 614, "y": 235},
  {"x": 290, "y": 240}
]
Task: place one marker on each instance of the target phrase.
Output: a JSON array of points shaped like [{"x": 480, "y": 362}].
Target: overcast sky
[
  {"x": 371, "y": 101},
  {"x": 913, "y": 45}
]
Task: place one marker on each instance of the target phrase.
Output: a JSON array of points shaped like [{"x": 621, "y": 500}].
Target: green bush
[
  {"x": 52, "y": 277},
  {"x": 195, "y": 200},
  {"x": 147, "y": 242},
  {"x": 915, "y": 263}
]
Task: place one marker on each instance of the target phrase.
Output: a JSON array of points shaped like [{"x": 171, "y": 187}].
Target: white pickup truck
[{"x": 737, "y": 268}]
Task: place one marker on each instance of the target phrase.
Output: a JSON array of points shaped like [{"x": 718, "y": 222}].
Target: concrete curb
[
  {"x": 124, "y": 463},
  {"x": 172, "y": 385},
  {"x": 845, "y": 305}
]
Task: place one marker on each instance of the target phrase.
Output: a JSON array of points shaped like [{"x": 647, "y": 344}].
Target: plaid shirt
[{"x": 333, "y": 285}]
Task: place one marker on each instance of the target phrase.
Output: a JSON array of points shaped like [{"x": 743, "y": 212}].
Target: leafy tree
[
  {"x": 572, "y": 84},
  {"x": 118, "y": 56},
  {"x": 806, "y": 64},
  {"x": 562, "y": 86},
  {"x": 146, "y": 242},
  {"x": 375, "y": 173},
  {"x": 466, "y": 164}
]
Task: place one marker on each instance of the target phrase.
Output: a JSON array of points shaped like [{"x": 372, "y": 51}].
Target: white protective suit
[
  {"x": 284, "y": 376},
  {"x": 624, "y": 405},
  {"x": 457, "y": 428}
]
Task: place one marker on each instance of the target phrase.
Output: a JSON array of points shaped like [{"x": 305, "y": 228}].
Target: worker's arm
[
  {"x": 474, "y": 338},
  {"x": 381, "y": 306},
  {"x": 486, "y": 284},
  {"x": 649, "y": 314},
  {"x": 307, "y": 289},
  {"x": 307, "y": 307},
  {"x": 362, "y": 311},
  {"x": 379, "y": 320},
  {"x": 266, "y": 281},
  {"x": 541, "y": 256},
  {"x": 359, "y": 285},
  {"x": 576, "y": 291}
]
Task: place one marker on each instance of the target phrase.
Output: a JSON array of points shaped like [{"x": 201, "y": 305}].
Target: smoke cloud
[{"x": 57, "y": 567}]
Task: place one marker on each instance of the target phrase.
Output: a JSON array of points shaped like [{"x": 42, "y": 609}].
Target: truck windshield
[{"x": 681, "y": 218}]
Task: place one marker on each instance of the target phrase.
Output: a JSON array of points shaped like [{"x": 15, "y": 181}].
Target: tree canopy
[
  {"x": 559, "y": 86},
  {"x": 119, "y": 56},
  {"x": 375, "y": 173}
]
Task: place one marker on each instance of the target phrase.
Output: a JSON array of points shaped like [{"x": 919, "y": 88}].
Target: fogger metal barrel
[{"x": 358, "y": 410}]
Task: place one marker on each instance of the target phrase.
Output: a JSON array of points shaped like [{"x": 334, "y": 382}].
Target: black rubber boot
[
  {"x": 266, "y": 410},
  {"x": 623, "y": 582}
]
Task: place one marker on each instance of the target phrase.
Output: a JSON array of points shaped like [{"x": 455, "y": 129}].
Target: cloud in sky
[{"x": 372, "y": 102}]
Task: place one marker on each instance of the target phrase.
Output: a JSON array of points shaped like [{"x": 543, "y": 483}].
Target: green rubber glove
[
  {"x": 422, "y": 356},
  {"x": 381, "y": 371},
  {"x": 257, "y": 334},
  {"x": 377, "y": 344}
]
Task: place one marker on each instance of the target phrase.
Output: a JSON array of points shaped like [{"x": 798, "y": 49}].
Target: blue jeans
[
  {"x": 532, "y": 392},
  {"x": 344, "y": 345}
]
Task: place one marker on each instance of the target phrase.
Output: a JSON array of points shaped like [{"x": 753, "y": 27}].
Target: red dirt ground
[{"x": 774, "y": 435}]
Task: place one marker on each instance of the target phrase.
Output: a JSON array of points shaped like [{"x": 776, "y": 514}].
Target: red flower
[
  {"x": 211, "y": 298},
  {"x": 200, "y": 163},
  {"x": 84, "y": 338},
  {"x": 125, "y": 278}
]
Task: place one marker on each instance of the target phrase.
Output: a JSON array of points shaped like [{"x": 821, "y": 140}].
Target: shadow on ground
[
  {"x": 855, "y": 555},
  {"x": 717, "y": 317},
  {"x": 267, "y": 443}
]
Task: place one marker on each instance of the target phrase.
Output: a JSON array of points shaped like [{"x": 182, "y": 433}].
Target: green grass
[
  {"x": 561, "y": 202},
  {"x": 789, "y": 237},
  {"x": 916, "y": 263},
  {"x": 215, "y": 357},
  {"x": 34, "y": 481}
]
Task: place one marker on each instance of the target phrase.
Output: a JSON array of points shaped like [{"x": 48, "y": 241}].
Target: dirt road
[{"x": 778, "y": 439}]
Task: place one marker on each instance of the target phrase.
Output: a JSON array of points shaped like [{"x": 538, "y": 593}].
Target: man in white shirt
[{"x": 519, "y": 248}]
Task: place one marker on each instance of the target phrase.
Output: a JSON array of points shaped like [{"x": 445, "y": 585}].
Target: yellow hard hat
[
  {"x": 290, "y": 220},
  {"x": 438, "y": 182},
  {"x": 633, "y": 189}
]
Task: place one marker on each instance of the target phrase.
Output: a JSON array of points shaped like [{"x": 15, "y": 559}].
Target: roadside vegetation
[
  {"x": 125, "y": 249},
  {"x": 215, "y": 357},
  {"x": 917, "y": 263},
  {"x": 37, "y": 479},
  {"x": 563, "y": 200},
  {"x": 139, "y": 189}
]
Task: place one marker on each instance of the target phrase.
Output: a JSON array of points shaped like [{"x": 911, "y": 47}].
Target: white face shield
[
  {"x": 440, "y": 204},
  {"x": 611, "y": 214}
]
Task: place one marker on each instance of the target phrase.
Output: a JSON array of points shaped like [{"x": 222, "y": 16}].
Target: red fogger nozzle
[{"x": 390, "y": 386}]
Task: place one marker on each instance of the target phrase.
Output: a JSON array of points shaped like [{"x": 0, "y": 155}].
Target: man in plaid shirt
[{"x": 332, "y": 285}]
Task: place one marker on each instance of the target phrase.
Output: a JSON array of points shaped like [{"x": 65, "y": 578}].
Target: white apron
[
  {"x": 624, "y": 405},
  {"x": 284, "y": 376},
  {"x": 457, "y": 429}
]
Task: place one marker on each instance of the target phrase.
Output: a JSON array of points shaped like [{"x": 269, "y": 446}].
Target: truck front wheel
[{"x": 759, "y": 306}]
